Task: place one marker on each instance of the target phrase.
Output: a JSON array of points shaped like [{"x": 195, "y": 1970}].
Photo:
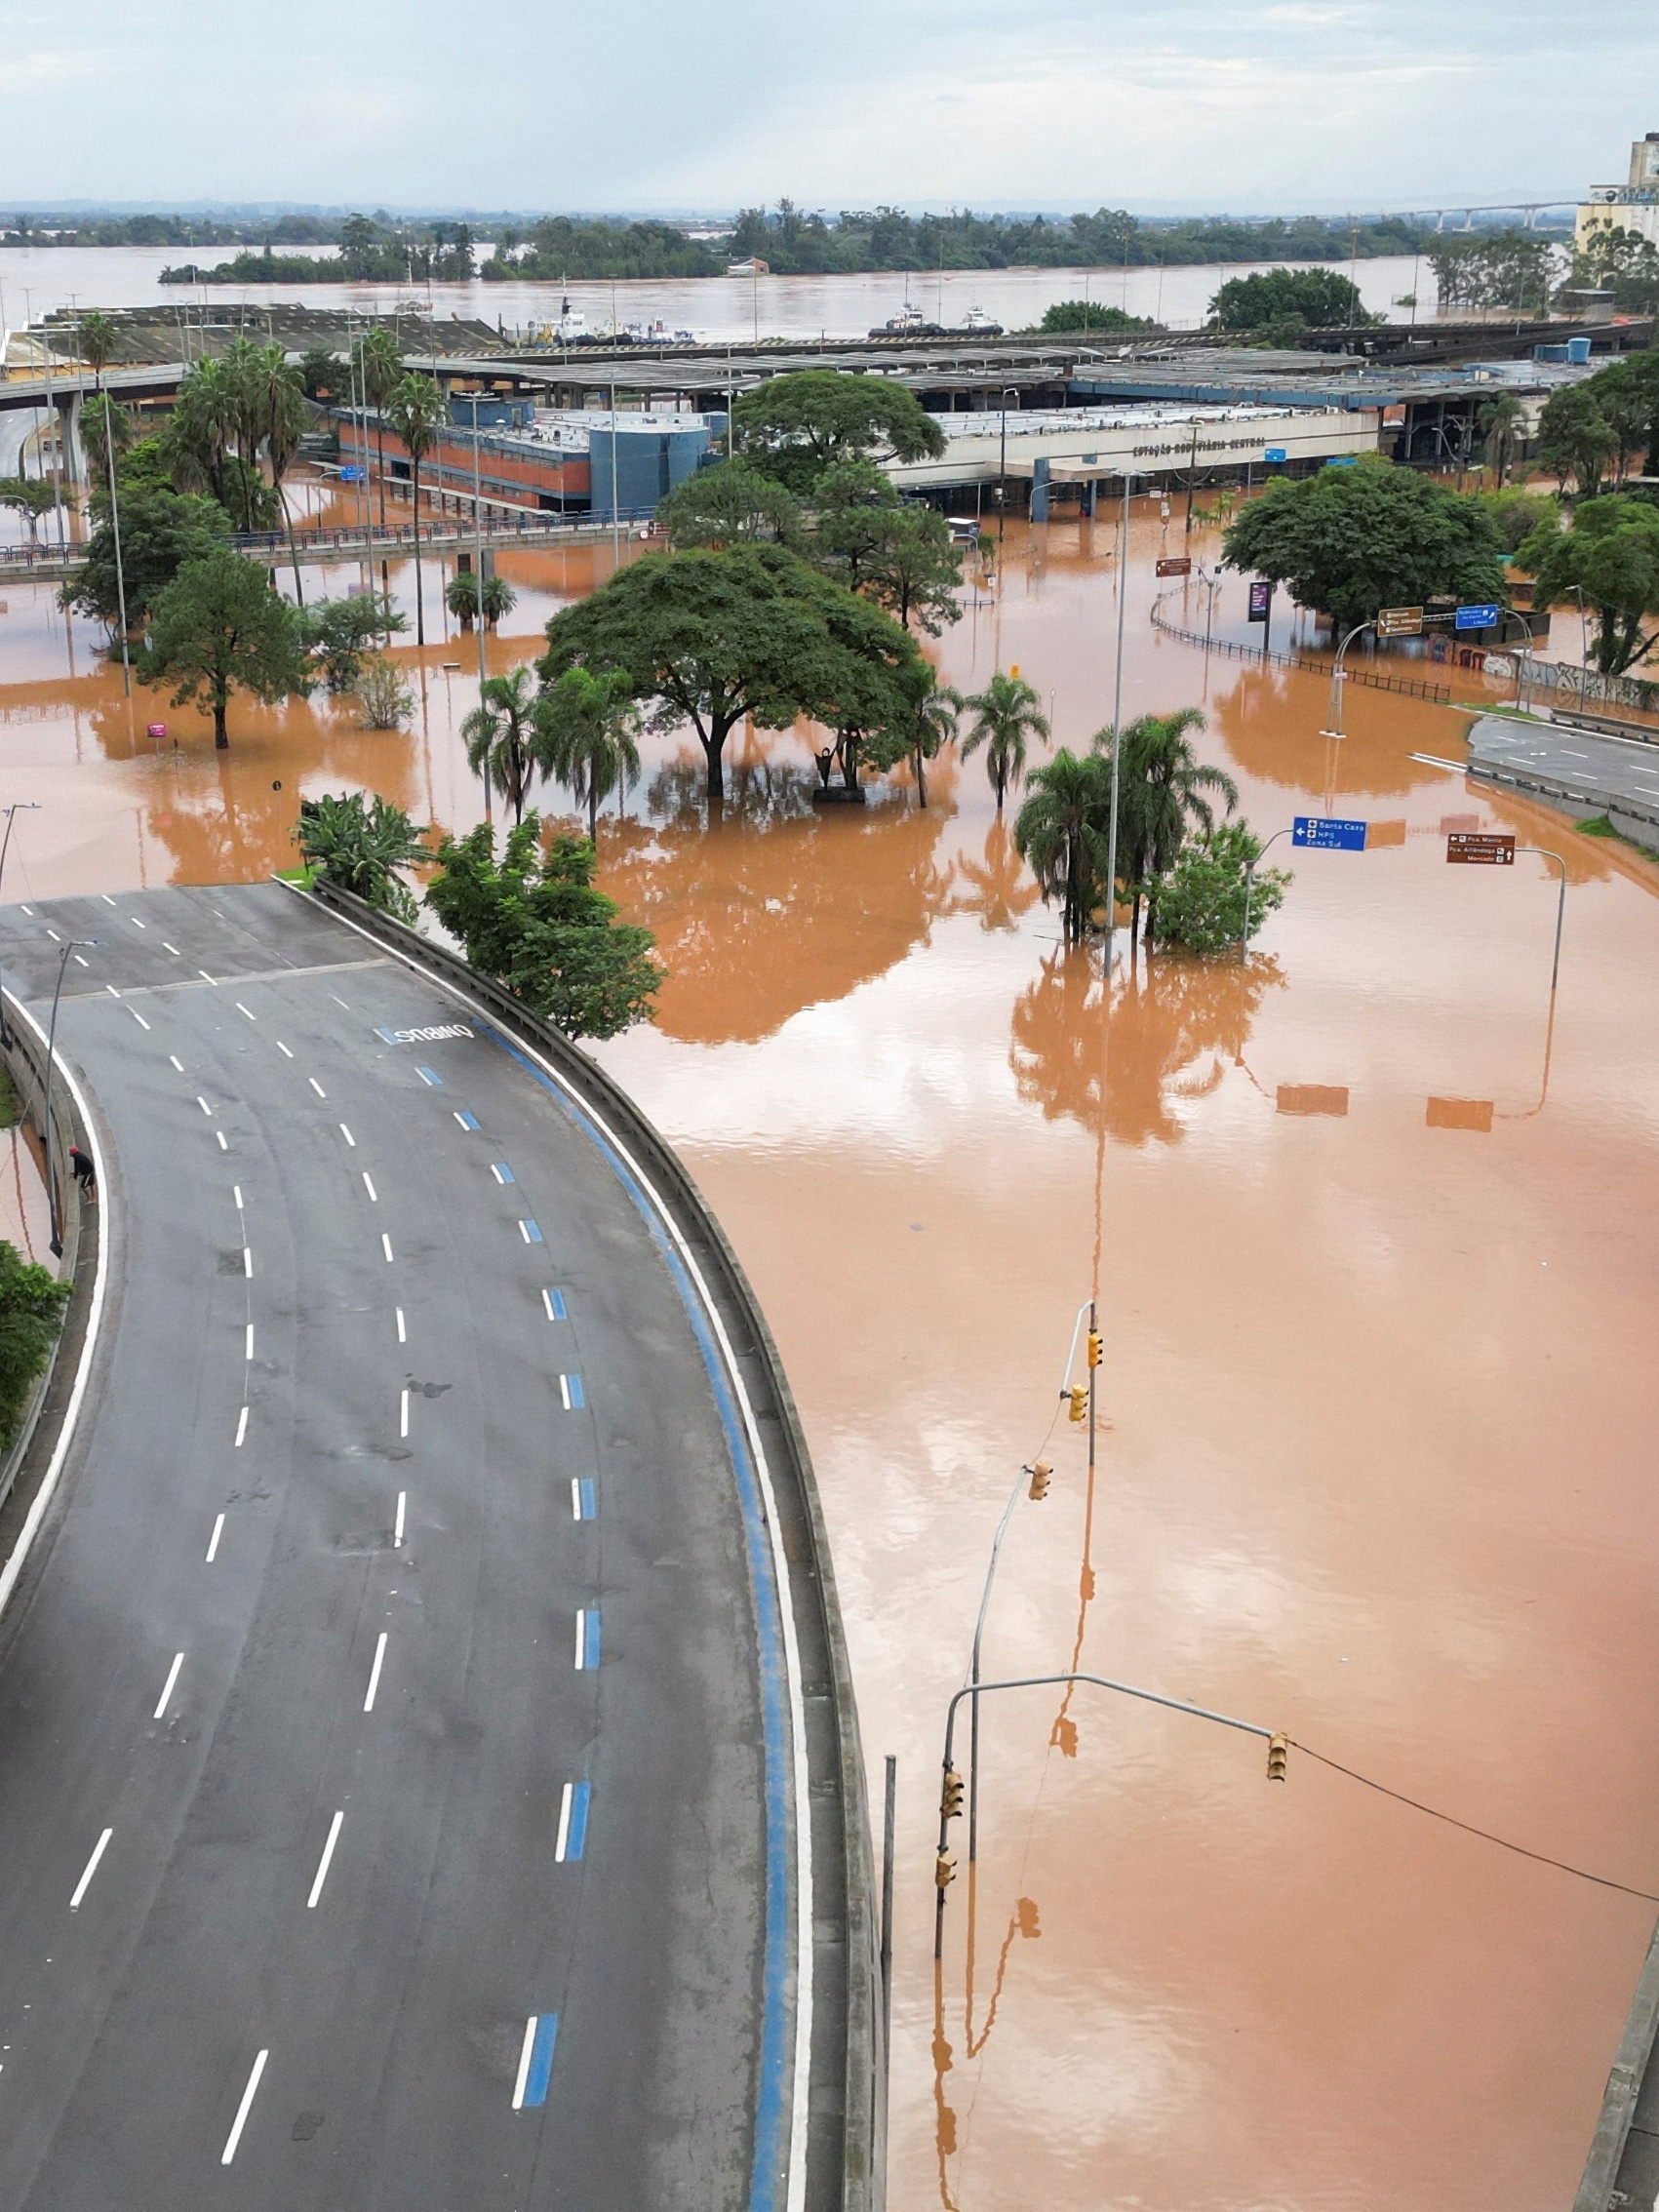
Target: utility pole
[
  {"x": 478, "y": 580},
  {"x": 1117, "y": 729}
]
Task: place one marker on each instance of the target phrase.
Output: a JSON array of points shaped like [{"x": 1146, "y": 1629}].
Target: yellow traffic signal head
[
  {"x": 1078, "y": 1398},
  {"x": 950, "y": 1804},
  {"x": 1278, "y": 1757},
  {"x": 1041, "y": 1476},
  {"x": 944, "y": 1870},
  {"x": 1096, "y": 1351}
]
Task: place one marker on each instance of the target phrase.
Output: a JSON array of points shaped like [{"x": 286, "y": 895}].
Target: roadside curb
[{"x": 29, "y": 1478}]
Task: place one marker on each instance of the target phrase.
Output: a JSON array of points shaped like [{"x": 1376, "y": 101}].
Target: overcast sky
[{"x": 1235, "y": 104}]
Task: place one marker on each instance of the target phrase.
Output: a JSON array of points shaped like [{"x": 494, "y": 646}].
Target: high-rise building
[{"x": 1633, "y": 205}]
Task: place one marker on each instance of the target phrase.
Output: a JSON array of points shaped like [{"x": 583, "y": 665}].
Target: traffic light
[
  {"x": 950, "y": 1804},
  {"x": 1278, "y": 1757},
  {"x": 1078, "y": 1398},
  {"x": 1040, "y": 1478},
  {"x": 944, "y": 1871},
  {"x": 1097, "y": 1350}
]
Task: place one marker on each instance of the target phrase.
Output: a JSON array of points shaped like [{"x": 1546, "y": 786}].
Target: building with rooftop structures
[{"x": 1632, "y": 206}]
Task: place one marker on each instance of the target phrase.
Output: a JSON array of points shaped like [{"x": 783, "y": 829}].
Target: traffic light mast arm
[{"x": 945, "y": 1864}]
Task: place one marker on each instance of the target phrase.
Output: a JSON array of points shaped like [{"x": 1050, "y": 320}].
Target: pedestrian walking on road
[{"x": 86, "y": 1174}]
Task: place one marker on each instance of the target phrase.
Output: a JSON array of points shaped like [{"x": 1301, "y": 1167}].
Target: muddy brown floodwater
[{"x": 1378, "y": 1398}]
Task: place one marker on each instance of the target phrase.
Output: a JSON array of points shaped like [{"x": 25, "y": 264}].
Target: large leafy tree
[
  {"x": 416, "y": 413},
  {"x": 31, "y": 1313},
  {"x": 1007, "y": 716},
  {"x": 219, "y": 628},
  {"x": 1316, "y": 299},
  {"x": 538, "y": 925},
  {"x": 359, "y": 845},
  {"x": 708, "y": 638},
  {"x": 338, "y": 633},
  {"x": 160, "y": 532},
  {"x": 1349, "y": 541},
  {"x": 730, "y": 504},
  {"x": 1575, "y": 438},
  {"x": 31, "y": 497},
  {"x": 1610, "y": 556},
  {"x": 899, "y": 555},
  {"x": 590, "y": 725},
  {"x": 798, "y": 425}
]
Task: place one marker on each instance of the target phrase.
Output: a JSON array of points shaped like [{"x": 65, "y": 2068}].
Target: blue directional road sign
[
  {"x": 1485, "y": 618},
  {"x": 1275, "y": 453},
  {"x": 1329, "y": 834},
  {"x": 1343, "y": 461},
  {"x": 352, "y": 475}
]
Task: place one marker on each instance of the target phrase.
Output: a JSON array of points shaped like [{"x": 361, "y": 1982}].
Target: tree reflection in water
[
  {"x": 1175, "y": 1022},
  {"x": 1001, "y": 891},
  {"x": 775, "y": 905}
]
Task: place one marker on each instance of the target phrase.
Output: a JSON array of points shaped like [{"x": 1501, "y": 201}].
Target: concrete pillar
[
  {"x": 1090, "y": 493},
  {"x": 1039, "y": 490}
]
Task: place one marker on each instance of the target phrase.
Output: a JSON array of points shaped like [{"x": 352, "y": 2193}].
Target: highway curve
[{"x": 394, "y": 1722}]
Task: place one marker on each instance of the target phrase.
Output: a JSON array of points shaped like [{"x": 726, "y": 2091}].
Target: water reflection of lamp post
[
  {"x": 1027, "y": 1476},
  {"x": 27, "y": 805},
  {"x": 1544, "y": 853},
  {"x": 1338, "y": 678}
]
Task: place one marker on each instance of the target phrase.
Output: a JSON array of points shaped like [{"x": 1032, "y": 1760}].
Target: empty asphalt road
[{"x": 393, "y": 1801}]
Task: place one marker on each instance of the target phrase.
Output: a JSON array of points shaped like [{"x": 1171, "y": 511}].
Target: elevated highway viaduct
[{"x": 427, "y": 1777}]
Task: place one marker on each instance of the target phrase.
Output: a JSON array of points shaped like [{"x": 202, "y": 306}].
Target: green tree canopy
[
  {"x": 220, "y": 628},
  {"x": 795, "y": 426},
  {"x": 1611, "y": 555},
  {"x": 359, "y": 845},
  {"x": 895, "y": 552},
  {"x": 1163, "y": 790},
  {"x": 1200, "y": 902},
  {"x": 707, "y": 638},
  {"x": 160, "y": 531},
  {"x": 504, "y": 735},
  {"x": 1063, "y": 831},
  {"x": 1349, "y": 541},
  {"x": 730, "y": 504},
  {"x": 31, "y": 1313},
  {"x": 1575, "y": 438},
  {"x": 339, "y": 632},
  {"x": 589, "y": 725},
  {"x": 538, "y": 925},
  {"x": 1318, "y": 299},
  {"x": 1091, "y": 318},
  {"x": 31, "y": 497}
]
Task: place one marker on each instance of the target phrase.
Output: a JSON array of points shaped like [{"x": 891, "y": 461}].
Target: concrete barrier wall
[{"x": 846, "y": 2136}]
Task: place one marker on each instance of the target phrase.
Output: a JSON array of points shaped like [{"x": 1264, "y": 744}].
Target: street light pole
[
  {"x": 1250, "y": 886},
  {"x": 1544, "y": 853},
  {"x": 1003, "y": 467},
  {"x": 27, "y": 805},
  {"x": 1337, "y": 679},
  {"x": 1117, "y": 727}
]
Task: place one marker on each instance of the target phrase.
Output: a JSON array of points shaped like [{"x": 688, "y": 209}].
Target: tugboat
[{"x": 911, "y": 323}]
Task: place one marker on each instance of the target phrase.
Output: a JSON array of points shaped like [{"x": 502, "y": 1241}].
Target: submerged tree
[
  {"x": 416, "y": 412},
  {"x": 1007, "y": 715},
  {"x": 505, "y": 737},
  {"x": 219, "y": 628},
  {"x": 590, "y": 735}
]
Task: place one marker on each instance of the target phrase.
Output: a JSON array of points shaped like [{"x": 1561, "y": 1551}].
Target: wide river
[
  {"x": 36, "y": 279},
  {"x": 1372, "y": 1244}
]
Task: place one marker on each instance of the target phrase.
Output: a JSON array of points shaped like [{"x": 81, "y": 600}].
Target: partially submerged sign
[
  {"x": 1480, "y": 849},
  {"x": 1328, "y": 833}
]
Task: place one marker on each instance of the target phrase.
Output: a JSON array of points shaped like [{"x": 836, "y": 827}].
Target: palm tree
[
  {"x": 97, "y": 341},
  {"x": 1161, "y": 794},
  {"x": 416, "y": 413},
  {"x": 1006, "y": 715},
  {"x": 590, "y": 725},
  {"x": 278, "y": 418},
  {"x": 504, "y": 735},
  {"x": 1063, "y": 832},
  {"x": 1502, "y": 423},
  {"x": 499, "y": 598},
  {"x": 360, "y": 846},
  {"x": 928, "y": 720},
  {"x": 380, "y": 367},
  {"x": 104, "y": 423}
]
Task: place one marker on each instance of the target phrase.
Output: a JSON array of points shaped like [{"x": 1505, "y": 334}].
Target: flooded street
[{"x": 1369, "y": 1231}]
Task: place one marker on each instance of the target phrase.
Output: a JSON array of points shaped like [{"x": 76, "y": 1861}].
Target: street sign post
[
  {"x": 1479, "y": 849},
  {"x": 1343, "y": 461},
  {"x": 1484, "y": 616},
  {"x": 1274, "y": 454},
  {"x": 1400, "y": 622},
  {"x": 1174, "y": 566},
  {"x": 1327, "y": 833}
]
